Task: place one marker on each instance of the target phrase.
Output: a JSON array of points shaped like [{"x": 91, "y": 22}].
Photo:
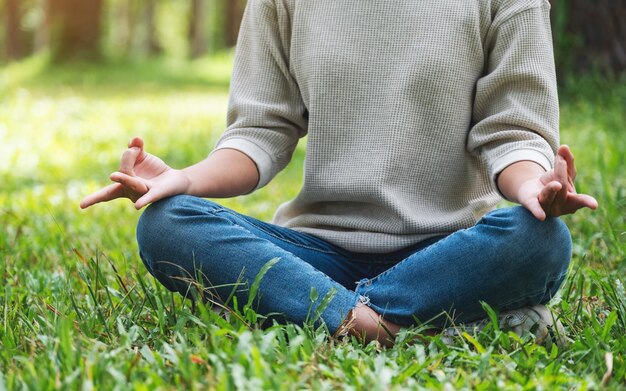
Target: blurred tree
[
  {"x": 152, "y": 43},
  {"x": 134, "y": 27},
  {"x": 197, "y": 32},
  {"x": 13, "y": 36},
  {"x": 75, "y": 28},
  {"x": 41, "y": 35},
  {"x": 590, "y": 35},
  {"x": 234, "y": 14},
  {"x": 123, "y": 26}
]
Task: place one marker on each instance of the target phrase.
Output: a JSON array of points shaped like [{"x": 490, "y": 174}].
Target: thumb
[
  {"x": 132, "y": 156},
  {"x": 136, "y": 142}
]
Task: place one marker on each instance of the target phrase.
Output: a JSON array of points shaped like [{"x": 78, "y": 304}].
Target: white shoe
[{"x": 537, "y": 320}]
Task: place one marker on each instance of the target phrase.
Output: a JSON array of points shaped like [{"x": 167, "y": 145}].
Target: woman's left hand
[{"x": 554, "y": 193}]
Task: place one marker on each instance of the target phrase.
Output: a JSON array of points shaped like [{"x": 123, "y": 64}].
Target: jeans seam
[
  {"x": 324, "y": 275},
  {"x": 392, "y": 268},
  {"x": 278, "y": 247},
  {"x": 224, "y": 210},
  {"x": 215, "y": 210}
]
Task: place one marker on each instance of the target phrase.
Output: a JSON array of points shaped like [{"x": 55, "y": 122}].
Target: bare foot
[{"x": 369, "y": 326}]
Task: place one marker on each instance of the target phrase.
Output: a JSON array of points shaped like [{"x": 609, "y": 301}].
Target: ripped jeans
[{"x": 508, "y": 259}]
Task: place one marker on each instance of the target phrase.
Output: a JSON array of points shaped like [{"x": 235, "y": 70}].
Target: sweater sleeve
[
  {"x": 266, "y": 114},
  {"x": 516, "y": 111}
]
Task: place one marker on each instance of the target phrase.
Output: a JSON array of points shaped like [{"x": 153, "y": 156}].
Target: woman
[{"x": 420, "y": 116}]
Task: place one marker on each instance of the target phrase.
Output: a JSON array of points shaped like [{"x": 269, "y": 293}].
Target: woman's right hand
[{"x": 143, "y": 178}]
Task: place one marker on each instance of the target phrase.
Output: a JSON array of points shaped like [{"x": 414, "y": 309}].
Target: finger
[
  {"x": 560, "y": 174},
  {"x": 129, "y": 160},
  {"x": 589, "y": 201},
  {"x": 578, "y": 201},
  {"x": 568, "y": 156},
  {"x": 549, "y": 191},
  {"x": 136, "y": 142},
  {"x": 560, "y": 169},
  {"x": 535, "y": 208},
  {"x": 566, "y": 153},
  {"x": 108, "y": 193},
  {"x": 153, "y": 195},
  {"x": 548, "y": 194},
  {"x": 133, "y": 183}
]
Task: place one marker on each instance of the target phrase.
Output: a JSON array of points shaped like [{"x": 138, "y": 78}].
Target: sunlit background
[{"x": 79, "y": 78}]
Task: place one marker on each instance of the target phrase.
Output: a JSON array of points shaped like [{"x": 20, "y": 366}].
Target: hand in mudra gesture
[
  {"x": 143, "y": 178},
  {"x": 554, "y": 193}
]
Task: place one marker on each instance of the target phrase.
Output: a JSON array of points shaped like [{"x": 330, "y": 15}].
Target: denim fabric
[{"x": 508, "y": 259}]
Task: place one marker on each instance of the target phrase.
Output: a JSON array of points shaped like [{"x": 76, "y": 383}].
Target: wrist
[
  {"x": 189, "y": 183},
  {"x": 513, "y": 181}
]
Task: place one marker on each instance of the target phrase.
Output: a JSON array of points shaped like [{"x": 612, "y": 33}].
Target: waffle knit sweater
[{"x": 411, "y": 109}]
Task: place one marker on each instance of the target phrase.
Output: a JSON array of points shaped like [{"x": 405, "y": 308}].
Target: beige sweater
[{"x": 411, "y": 107}]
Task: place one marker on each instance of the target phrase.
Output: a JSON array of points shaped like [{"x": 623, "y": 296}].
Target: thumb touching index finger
[
  {"x": 136, "y": 142},
  {"x": 129, "y": 160},
  {"x": 566, "y": 153},
  {"x": 134, "y": 155}
]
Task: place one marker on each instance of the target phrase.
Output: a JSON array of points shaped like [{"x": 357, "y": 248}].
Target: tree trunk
[
  {"x": 590, "y": 35},
  {"x": 124, "y": 26},
  {"x": 234, "y": 14},
  {"x": 12, "y": 29},
  {"x": 41, "y": 38},
  {"x": 197, "y": 31},
  {"x": 75, "y": 28},
  {"x": 152, "y": 43}
]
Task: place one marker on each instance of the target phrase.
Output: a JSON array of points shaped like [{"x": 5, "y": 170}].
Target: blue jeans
[{"x": 508, "y": 259}]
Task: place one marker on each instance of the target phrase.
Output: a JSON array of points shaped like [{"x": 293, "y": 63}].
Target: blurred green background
[
  {"x": 588, "y": 35},
  {"x": 79, "y": 78},
  {"x": 118, "y": 29}
]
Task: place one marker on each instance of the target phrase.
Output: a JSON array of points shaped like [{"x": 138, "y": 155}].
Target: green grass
[{"x": 79, "y": 311}]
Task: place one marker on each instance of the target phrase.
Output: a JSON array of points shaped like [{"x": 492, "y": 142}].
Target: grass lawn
[{"x": 79, "y": 311}]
